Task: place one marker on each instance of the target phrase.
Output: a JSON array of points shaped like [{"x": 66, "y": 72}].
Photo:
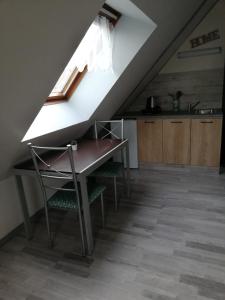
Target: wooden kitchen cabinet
[
  {"x": 206, "y": 142},
  {"x": 186, "y": 141},
  {"x": 150, "y": 140},
  {"x": 176, "y": 141}
]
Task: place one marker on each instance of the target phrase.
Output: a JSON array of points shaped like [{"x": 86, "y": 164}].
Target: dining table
[{"x": 90, "y": 154}]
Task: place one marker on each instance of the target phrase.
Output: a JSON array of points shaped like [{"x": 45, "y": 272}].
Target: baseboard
[
  {"x": 173, "y": 167},
  {"x": 10, "y": 235},
  {"x": 19, "y": 228}
]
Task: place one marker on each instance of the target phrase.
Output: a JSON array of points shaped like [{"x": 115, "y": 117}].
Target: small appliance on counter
[{"x": 151, "y": 106}]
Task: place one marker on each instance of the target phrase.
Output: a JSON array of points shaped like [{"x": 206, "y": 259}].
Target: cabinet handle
[
  {"x": 206, "y": 122},
  {"x": 176, "y": 122},
  {"x": 149, "y": 122}
]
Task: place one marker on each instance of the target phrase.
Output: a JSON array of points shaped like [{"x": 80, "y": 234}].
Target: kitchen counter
[
  {"x": 181, "y": 138},
  {"x": 170, "y": 115}
]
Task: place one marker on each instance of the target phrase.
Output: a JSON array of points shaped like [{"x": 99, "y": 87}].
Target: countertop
[{"x": 170, "y": 115}]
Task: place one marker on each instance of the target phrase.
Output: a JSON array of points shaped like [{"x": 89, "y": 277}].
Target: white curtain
[{"x": 95, "y": 49}]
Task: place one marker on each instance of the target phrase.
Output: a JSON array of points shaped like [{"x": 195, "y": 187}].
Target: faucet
[{"x": 192, "y": 106}]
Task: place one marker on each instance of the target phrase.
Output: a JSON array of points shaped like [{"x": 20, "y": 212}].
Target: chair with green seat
[
  {"x": 111, "y": 169},
  {"x": 67, "y": 192}
]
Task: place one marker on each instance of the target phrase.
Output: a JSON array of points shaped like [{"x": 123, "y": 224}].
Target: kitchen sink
[{"x": 205, "y": 111}]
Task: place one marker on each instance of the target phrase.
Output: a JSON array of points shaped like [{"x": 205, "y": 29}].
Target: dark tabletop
[{"x": 88, "y": 151}]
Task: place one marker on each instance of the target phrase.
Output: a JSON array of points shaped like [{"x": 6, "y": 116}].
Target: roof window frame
[{"x": 75, "y": 78}]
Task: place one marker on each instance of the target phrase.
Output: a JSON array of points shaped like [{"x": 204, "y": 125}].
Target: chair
[
  {"x": 67, "y": 192},
  {"x": 110, "y": 169}
]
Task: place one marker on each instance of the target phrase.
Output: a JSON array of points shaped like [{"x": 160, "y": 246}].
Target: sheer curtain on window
[{"x": 95, "y": 49}]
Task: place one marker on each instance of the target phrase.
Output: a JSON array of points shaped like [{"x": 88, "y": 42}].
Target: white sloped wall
[{"x": 37, "y": 40}]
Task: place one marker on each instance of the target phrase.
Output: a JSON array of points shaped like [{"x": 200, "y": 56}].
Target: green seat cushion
[
  {"x": 63, "y": 200},
  {"x": 94, "y": 191},
  {"x": 108, "y": 169},
  {"x": 68, "y": 199}
]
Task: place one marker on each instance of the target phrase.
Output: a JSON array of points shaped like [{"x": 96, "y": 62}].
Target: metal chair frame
[
  {"x": 101, "y": 125},
  {"x": 58, "y": 176},
  {"x": 98, "y": 124}
]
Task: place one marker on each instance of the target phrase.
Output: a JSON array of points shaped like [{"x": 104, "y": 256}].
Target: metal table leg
[
  {"x": 87, "y": 215},
  {"x": 124, "y": 173},
  {"x": 23, "y": 202},
  {"x": 128, "y": 169}
]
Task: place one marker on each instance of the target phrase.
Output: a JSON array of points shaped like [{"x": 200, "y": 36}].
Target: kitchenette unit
[{"x": 179, "y": 138}]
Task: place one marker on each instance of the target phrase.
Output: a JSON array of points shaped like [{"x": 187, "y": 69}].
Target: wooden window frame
[
  {"x": 75, "y": 78},
  {"x": 110, "y": 13},
  {"x": 69, "y": 88}
]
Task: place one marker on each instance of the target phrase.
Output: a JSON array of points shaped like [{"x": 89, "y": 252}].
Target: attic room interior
[{"x": 112, "y": 181}]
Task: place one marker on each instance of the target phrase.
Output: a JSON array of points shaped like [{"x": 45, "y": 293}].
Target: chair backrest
[
  {"x": 109, "y": 129},
  {"x": 45, "y": 170}
]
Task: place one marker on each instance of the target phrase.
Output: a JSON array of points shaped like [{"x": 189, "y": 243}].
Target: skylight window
[
  {"x": 66, "y": 83},
  {"x": 93, "y": 53},
  {"x": 130, "y": 35},
  {"x": 67, "y": 77}
]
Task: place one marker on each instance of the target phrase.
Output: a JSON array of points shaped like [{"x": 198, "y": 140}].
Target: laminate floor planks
[{"x": 167, "y": 242}]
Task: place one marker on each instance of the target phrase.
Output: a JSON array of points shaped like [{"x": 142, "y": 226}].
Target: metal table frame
[{"x": 81, "y": 176}]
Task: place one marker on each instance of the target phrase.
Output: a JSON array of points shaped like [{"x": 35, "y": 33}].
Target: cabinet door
[
  {"x": 206, "y": 142},
  {"x": 150, "y": 141},
  {"x": 176, "y": 141}
]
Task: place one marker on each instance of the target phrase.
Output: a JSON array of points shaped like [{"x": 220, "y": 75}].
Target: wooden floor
[{"x": 167, "y": 242}]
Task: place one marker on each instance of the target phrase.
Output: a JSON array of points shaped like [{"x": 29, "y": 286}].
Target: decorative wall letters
[{"x": 205, "y": 38}]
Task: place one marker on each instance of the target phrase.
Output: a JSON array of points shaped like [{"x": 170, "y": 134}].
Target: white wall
[
  {"x": 37, "y": 39},
  {"x": 214, "y": 20},
  {"x": 130, "y": 36},
  {"x": 10, "y": 212}
]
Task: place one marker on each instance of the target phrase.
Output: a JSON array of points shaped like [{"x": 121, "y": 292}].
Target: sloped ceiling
[{"x": 37, "y": 40}]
